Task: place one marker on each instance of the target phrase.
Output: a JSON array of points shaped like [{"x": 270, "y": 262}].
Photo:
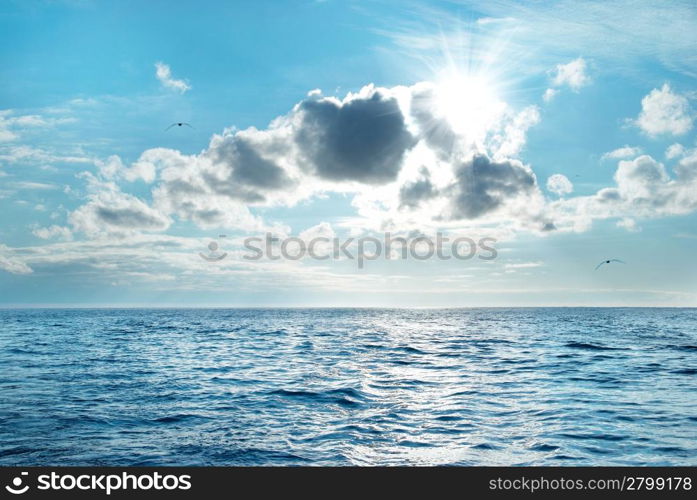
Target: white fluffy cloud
[
  {"x": 164, "y": 75},
  {"x": 643, "y": 189},
  {"x": 675, "y": 151},
  {"x": 664, "y": 112},
  {"x": 621, "y": 153},
  {"x": 12, "y": 125},
  {"x": 573, "y": 74},
  {"x": 144, "y": 169},
  {"x": 29, "y": 154},
  {"x": 549, "y": 94},
  {"x": 54, "y": 231},
  {"x": 559, "y": 184},
  {"x": 629, "y": 224},
  {"x": 111, "y": 211}
]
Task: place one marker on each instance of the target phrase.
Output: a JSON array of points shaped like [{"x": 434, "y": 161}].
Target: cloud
[
  {"x": 510, "y": 140},
  {"x": 406, "y": 166},
  {"x": 621, "y": 153},
  {"x": 638, "y": 179},
  {"x": 559, "y": 184},
  {"x": 30, "y": 154},
  {"x": 164, "y": 75},
  {"x": 54, "y": 231},
  {"x": 643, "y": 189},
  {"x": 549, "y": 94},
  {"x": 572, "y": 74},
  {"x": 483, "y": 186},
  {"x": 320, "y": 247},
  {"x": 411, "y": 194},
  {"x": 32, "y": 186},
  {"x": 664, "y": 112},
  {"x": 321, "y": 230},
  {"x": 628, "y": 224},
  {"x": 11, "y": 264},
  {"x": 675, "y": 151},
  {"x": 111, "y": 211},
  {"x": 12, "y": 126},
  {"x": 140, "y": 258},
  {"x": 499, "y": 131},
  {"x": 214, "y": 189},
  {"x": 113, "y": 168},
  {"x": 363, "y": 138},
  {"x": 165, "y": 264},
  {"x": 322, "y": 143},
  {"x": 117, "y": 214},
  {"x": 247, "y": 159},
  {"x": 524, "y": 265},
  {"x": 618, "y": 34},
  {"x": 686, "y": 169}
]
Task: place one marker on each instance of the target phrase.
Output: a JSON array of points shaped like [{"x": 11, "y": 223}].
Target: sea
[{"x": 340, "y": 387}]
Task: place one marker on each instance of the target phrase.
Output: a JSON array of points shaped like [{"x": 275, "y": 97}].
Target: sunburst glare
[{"x": 469, "y": 103}]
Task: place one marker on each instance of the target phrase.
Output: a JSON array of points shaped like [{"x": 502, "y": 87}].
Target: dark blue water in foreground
[{"x": 341, "y": 387}]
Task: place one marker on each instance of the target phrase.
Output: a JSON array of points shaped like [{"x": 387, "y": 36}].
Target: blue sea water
[{"x": 348, "y": 387}]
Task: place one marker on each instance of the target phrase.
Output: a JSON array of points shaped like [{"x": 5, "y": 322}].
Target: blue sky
[{"x": 563, "y": 130}]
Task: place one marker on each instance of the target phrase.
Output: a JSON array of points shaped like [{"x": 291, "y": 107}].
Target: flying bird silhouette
[
  {"x": 609, "y": 261},
  {"x": 178, "y": 124}
]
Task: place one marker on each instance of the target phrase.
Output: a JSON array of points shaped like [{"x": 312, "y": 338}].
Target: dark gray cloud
[
  {"x": 363, "y": 139},
  {"x": 412, "y": 194},
  {"x": 484, "y": 185},
  {"x": 129, "y": 217},
  {"x": 247, "y": 167}
]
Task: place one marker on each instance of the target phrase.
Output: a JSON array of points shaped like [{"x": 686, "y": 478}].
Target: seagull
[
  {"x": 608, "y": 261},
  {"x": 178, "y": 124}
]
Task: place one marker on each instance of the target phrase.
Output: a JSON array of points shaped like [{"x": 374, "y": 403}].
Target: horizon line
[{"x": 229, "y": 307}]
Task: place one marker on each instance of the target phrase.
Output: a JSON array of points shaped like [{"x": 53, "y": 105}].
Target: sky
[{"x": 562, "y": 134}]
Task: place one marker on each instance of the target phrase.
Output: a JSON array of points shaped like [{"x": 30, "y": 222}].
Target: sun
[{"x": 469, "y": 104}]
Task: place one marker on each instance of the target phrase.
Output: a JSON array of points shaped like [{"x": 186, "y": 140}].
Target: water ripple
[{"x": 348, "y": 387}]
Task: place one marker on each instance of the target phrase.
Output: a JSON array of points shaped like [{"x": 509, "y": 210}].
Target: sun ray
[{"x": 469, "y": 103}]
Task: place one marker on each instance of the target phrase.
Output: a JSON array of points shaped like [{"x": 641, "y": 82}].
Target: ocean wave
[{"x": 346, "y": 387}]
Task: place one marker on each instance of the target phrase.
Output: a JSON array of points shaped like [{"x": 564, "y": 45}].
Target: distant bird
[
  {"x": 608, "y": 261},
  {"x": 178, "y": 124}
]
